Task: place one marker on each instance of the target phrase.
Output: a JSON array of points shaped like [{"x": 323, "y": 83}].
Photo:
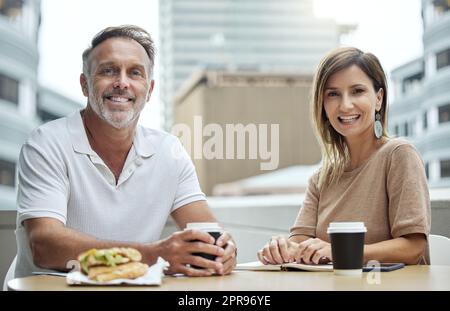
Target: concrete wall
[
  {"x": 251, "y": 100},
  {"x": 253, "y": 225},
  {"x": 185, "y": 117},
  {"x": 7, "y": 241}
]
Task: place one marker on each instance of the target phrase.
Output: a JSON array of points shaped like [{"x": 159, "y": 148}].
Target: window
[
  {"x": 412, "y": 83},
  {"x": 406, "y": 129},
  {"x": 396, "y": 130},
  {"x": 445, "y": 168},
  {"x": 45, "y": 115},
  {"x": 412, "y": 128},
  {"x": 444, "y": 113},
  {"x": 443, "y": 59},
  {"x": 7, "y": 173},
  {"x": 11, "y": 8},
  {"x": 441, "y": 6},
  {"x": 9, "y": 89},
  {"x": 424, "y": 120}
]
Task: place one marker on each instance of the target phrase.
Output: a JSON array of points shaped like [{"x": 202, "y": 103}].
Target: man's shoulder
[
  {"x": 49, "y": 133},
  {"x": 158, "y": 138}
]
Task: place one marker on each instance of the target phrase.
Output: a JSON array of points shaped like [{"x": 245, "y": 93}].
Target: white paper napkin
[{"x": 152, "y": 277}]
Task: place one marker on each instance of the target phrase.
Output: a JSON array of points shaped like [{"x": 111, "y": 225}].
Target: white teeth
[
  {"x": 119, "y": 99},
  {"x": 349, "y": 118}
]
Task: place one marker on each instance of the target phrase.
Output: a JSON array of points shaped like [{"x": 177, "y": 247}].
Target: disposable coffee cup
[
  {"x": 213, "y": 229},
  {"x": 347, "y": 247}
]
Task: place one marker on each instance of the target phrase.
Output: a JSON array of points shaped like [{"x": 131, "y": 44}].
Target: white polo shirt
[{"x": 61, "y": 177}]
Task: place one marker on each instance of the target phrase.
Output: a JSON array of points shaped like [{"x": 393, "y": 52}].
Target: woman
[{"x": 365, "y": 175}]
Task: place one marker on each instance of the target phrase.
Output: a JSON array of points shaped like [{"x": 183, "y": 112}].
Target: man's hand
[
  {"x": 225, "y": 248},
  {"x": 229, "y": 257},
  {"x": 178, "y": 250}
]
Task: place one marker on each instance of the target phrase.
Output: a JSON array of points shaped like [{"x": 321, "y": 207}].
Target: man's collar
[
  {"x": 143, "y": 145},
  {"x": 80, "y": 142},
  {"x": 78, "y": 135}
]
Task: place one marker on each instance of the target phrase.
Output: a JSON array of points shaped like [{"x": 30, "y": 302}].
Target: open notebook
[{"x": 258, "y": 266}]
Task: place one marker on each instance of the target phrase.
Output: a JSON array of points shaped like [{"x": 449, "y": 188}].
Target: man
[{"x": 96, "y": 179}]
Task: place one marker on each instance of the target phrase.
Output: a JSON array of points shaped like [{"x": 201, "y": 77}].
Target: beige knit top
[{"x": 388, "y": 192}]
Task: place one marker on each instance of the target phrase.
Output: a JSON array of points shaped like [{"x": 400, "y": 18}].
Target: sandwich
[{"x": 104, "y": 265}]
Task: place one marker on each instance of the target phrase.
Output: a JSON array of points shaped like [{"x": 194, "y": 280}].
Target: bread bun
[
  {"x": 130, "y": 270},
  {"x": 104, "y": 265}
]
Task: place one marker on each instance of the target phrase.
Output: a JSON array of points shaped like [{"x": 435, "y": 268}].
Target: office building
[
  {"x": 421, "y": 110},
  {"x": 251, "y": 35},
  {"x": 257, "y": 123},
  {"x": 24, "y": 105}
]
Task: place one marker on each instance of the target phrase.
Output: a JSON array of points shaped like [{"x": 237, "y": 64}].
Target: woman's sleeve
[
  {"x": 409, "y": 201},
  {"x": 306, "y": 221}
]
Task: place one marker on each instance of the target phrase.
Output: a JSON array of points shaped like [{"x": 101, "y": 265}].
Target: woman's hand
[
  {"x": 314, "y": 251},
  {"x": 277, "y": 251}
]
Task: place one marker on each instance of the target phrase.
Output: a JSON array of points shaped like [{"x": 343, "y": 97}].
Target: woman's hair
[{"x": 335, "y": 154}]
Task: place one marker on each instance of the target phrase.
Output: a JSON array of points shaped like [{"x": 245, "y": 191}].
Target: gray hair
[{"x": 125, "y": 31}]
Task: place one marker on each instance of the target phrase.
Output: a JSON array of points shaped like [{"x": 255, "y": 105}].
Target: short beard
[{"x": 110, "y": 117}]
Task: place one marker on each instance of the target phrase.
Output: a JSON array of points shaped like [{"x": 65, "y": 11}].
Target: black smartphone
[{"x": 384, "y": 267}]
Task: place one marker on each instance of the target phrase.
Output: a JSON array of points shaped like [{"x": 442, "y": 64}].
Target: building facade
[
  {"x": 251, "y": 35},
  {"x": 24, "y": 103},
  {"x": 19, "y": 26},
  {"x": 421, "y": 110},
  {"x": 245, "y": 124}
]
